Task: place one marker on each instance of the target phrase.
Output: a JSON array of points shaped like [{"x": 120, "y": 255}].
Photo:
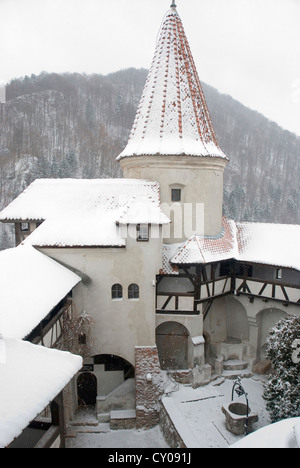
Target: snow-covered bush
[{"x": 282, "y": 391}]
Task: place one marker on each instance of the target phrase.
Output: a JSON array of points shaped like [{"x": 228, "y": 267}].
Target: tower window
[
  {"x": 176, "y": 195},
  {"x": 116, "y": 291},
  {"x": 133, "y": 291},
  {"x": 142, "y": 231}
]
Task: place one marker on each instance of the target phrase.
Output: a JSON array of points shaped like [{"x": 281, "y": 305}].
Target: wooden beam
[
  {"x": 167, "y": 302},
  {"x": 262, "y": 289},
  {"x": 177, "y": 312},
  {"x": 173, "y": 293},
  {"x": 285, "y": 293}
]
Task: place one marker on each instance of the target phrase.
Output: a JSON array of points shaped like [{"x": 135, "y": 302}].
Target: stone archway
[
  {"x": 172, "y": 345},
  {"x": 113, "y": 363},
  {"x": 266, "y": 319},
  {"x": 236, "y": 321},
  {"x": 86, "y": 389}
]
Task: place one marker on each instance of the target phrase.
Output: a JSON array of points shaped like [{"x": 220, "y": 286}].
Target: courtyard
[{"x": 198, "y": 415}]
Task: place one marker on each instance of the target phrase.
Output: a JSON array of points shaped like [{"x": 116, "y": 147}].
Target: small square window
[
  {"x": 176, "y": 195},
  {"x": 142, "y": 231},
  {"x": 24, "y": 227}
]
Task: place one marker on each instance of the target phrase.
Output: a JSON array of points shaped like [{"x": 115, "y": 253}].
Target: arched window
[
  {"x": 133, "y": 291},
  {"x": 116, "y": 291}
]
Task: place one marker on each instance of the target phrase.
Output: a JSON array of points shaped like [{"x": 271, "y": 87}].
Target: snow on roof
[
  {"x": 172, "y": 117},
  {"x": 82, "y": 212},
  {"x": 31, "y": 377},
  {"x": 50, "y": 198},
  {"x": 283, "y": 434},
  {"x": 84, "y": 230},
  {"x": 209, "y": 249},
  {"x": 269, "y": 244},
  {"x": 31, "y": 285},
  {"x": 272, "y": 244},
  {"x": 142, "y": 210}
]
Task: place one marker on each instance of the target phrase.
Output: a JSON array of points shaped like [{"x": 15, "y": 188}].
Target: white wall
[
  {"x": 117, "y": 325},
  {"x": 201, "y": 180}
]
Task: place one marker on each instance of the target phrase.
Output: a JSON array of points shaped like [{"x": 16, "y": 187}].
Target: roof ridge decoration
[{"x": 173, "y": 117}]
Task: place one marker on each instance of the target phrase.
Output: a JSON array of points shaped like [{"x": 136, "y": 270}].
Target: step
[
  {"x": 103, "y": 417},
  {"x": 122, "y": 419},
  {"x": 84, "y": 417},
  {"x": 234, "y": 364},
  {"x": 234, "y": 374}
]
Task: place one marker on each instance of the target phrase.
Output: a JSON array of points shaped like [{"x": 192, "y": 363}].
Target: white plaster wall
[
  {"x": 201, "y": 180},
  {"x": 263, "y": 315},
  {"x": 117, "y": 325},
  {"x": 215, "y": 323}
]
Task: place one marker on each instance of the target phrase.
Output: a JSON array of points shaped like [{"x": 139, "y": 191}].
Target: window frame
[
  {"x": 139, "y": 237},
  {"x": 176, "y": 190},
  {"x": 278, "y": 274},
  {"x": 134, "y": 291},
  {"x": 116, "y": 289},
  {"x": 24, "y": 227}
]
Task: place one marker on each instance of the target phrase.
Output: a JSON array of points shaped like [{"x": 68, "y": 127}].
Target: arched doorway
[
  {"x": 236, "y": 320},
  {"x": 172, "y": 345},
  {"x": 112, "y": 363},
  {"x": 87, "y": 389}
]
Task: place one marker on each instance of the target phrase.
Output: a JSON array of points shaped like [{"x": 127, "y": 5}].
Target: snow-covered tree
[{"x": 282, "y": 391}]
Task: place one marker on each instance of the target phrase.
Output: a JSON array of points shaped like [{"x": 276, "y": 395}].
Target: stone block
[{"x": 262, "y": 367}]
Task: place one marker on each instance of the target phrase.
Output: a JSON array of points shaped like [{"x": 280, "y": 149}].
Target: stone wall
[
  {"x": 149, "y": 386},
  {"x": 175, "y": 429},
  {"x": 169, "y": 431}
]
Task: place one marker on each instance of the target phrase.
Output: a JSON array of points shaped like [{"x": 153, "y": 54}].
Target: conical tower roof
[{"x": 172, "y": 117}]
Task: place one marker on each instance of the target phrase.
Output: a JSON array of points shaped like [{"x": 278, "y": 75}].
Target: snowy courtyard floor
[{"x": 200, "y": 409}]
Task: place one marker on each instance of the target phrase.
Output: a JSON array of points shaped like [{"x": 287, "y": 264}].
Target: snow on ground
[
  {"x": 103, "y": 437},
  {"x": 199, "y": 408}
]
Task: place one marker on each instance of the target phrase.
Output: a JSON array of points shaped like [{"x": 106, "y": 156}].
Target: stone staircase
[{"x": 111, "y": 412}]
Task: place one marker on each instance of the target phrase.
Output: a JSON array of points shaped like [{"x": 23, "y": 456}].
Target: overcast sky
[{"x": 249, "y": 49}]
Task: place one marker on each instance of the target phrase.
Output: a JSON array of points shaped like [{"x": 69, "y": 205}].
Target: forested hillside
[{"x": 74, "y": 125}]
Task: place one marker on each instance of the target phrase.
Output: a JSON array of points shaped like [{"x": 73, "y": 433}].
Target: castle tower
[{"x": 173, "y": 141}]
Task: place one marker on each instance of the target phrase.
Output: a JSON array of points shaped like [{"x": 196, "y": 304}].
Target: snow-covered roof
[
  {"x": 83, "y": 212},
  {"x": 50, "y": 198},
  {"x": 31, "y": 285},
  {"x": 142, "y": 210},
  {"x": 82, "y": 230},
  {"x": 31, "y": 377},
  {"x": 282, "y": 434},
  {"x": 172, "y": 117},
  {"x": 199, "y": 249},
  {"x": 269, "y": 244}
]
